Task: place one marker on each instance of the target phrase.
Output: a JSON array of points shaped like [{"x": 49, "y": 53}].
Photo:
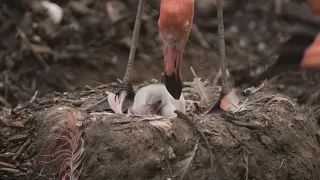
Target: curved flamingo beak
[{"x": 173, "y": 69}]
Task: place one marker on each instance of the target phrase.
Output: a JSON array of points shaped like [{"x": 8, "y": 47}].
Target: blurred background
[{"x": 64, "y": 45}]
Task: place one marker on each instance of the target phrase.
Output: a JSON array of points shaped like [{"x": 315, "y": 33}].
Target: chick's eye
[{"x": 159, "y": 102}]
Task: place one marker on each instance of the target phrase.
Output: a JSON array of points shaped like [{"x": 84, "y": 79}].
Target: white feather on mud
[
  {"x": 200, "y": 87},
  {"x": 183, "y": 166}
]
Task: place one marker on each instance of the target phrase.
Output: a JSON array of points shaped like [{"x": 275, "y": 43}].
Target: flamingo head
[{"x": 175, "y": 22}]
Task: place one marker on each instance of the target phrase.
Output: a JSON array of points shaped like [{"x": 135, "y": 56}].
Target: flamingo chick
[
  {"x": 155, "y": 99},
  {"x": 175, "y": 22}
]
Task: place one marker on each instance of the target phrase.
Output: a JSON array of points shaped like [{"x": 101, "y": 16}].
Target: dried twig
[
  {"x": 21, "y": 149},
  {"x": 119, "y": 80},
  {"x": 141, "y": 119},
  {"x": 252, "y": 90},
  {"x": 233, "y": 120},
  {"x": 242, "y": 106},
  {"x": 12, "y": 170},
  {"x": 8, "y": 154},
  {"x": 101, "y": 113},
  {"x": 89, "y": 108},
  {"x": 40, "y": 173},
  {"x": 33, "y": 97},
  {"x": 4, "y": 101},
  {"x": 7, "y": 165},
  {"x": 246, "y": 161}
]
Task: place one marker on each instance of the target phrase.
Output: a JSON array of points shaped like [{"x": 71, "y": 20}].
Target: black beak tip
[{"x": 173, "y": 85}]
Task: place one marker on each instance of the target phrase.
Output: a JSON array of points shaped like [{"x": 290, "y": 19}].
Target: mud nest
[{"x": 271, "y": 138}]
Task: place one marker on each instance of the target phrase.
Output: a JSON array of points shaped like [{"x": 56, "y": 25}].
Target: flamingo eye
[
  {"x": 159, "y": 102},
  {"x": 186, "y": 29}
]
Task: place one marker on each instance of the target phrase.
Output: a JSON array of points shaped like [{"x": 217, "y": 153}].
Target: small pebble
[
  {"x": 252, "y": 25},
  {"x": 262, "y": 46},
  {"x": 171, "y": 153},
  {"x": 35, "y": 25},
  {"x": 280, "y": 87},
  {"x": 77, "y": 103},
  {"x": 36, "y": 38},
  {"x": 234, "y": 29},
  {"x": 114, "y": 60},
  {"x": 243, "y": 42}
]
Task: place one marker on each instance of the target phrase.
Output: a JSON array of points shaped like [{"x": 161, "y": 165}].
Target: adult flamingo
[
  {"x": 311, "y": 57},
  {"x": 301, "y": 51},
  {"x": 314, "y": 5},
  {"x": 175, "y": 22}
]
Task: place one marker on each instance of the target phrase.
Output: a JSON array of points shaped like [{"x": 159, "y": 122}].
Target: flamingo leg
[
  {"x": 126, "y": 92},
  {"x": 222, "y": 52}
]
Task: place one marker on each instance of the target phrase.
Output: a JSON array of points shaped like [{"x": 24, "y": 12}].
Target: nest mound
[{"x": 270, "y": 140}]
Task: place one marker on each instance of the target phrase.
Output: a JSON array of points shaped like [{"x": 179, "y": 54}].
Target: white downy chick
[{"x": 155, "y": 99}]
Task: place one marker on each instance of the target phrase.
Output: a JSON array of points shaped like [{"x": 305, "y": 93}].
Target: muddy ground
[{"x": 89, "y": 48}]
